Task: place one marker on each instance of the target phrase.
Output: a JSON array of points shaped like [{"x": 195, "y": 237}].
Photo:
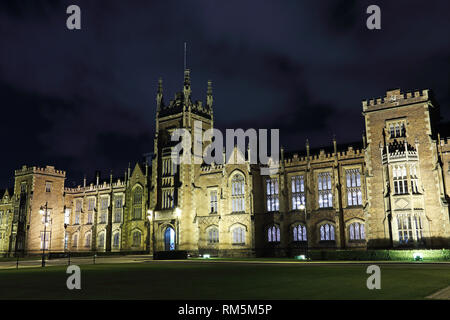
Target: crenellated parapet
[
  {"x": 94, "y": 187},
  {"x": 395, "y": 98},
  {"x": 350, "y": 153},
  {"x": 48, "y": 170}
]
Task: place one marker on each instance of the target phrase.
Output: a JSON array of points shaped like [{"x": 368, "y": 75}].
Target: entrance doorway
[{"x": 169, "y": 239}]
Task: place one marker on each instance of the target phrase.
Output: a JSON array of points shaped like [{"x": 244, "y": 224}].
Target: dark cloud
[{"x": 85, "y": 100}]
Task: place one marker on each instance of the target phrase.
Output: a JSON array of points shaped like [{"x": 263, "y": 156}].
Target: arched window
[
  {"x": 300, "y": 233},
  {"x": 137, "y": 203},
  {"x": 357, "y": 231},
  {"x": 213, "y": 235},
  {"x": 273, "y": 234},
  {"x": 136, "y": 238},
  {"x": 327, "y": 232},
  {"x": 238, "y": 193},
  {"x": 116, "y": 240},
  {"x": 87, "y": 240},
  {"x": 238, "y": 235},
  {"x": 75, "y": 241},
  {"x": 101, "y": 240}
]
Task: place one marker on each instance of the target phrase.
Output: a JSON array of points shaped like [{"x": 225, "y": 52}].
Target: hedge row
[{"x": 373, "y": 255}]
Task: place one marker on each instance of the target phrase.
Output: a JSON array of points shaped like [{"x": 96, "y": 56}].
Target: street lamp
[{"x": 44, "y": 212}]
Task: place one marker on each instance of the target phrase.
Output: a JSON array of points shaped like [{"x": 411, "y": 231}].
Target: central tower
[{"x": 172, "y": 197}]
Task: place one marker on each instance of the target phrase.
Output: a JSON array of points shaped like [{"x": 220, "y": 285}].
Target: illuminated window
[
  {"x": 418, "y": 227},
  {"x": 325, "y": 192},
  {"x": 237, "y": 193},
  {"x": 167, "y": 198},
  {"x": 300, "y": 233},
  {"x": 91, "y": 204},
  {"x": 414, "y": 179},
  {"x": 238, "y": 235},
  {"x": 87, "y": 242},
  {"x": 327, "y": 232},
  {"x": 273, "y": 201},
  {"x": 45, "y": 240},
  {"x": 354, "y": 195},
  {"x": 75, "y": 241},
  {"x": 137, "y": 203},
  {"x": 400, "y": 179},
  {"x": 213, "y": 235},
  {"x": 78, "y": 205},
  {"x": 101, "y": 240},
  {"x": 298, "y": 192},
  {"x": 273, "y": 234},
  {"x": 116, "y": 240},
  {"x": 405, "y": 231},
  {"x": 357, "y": 231},
  {"x": 89, "y": 218},
  {"x": 213, "y": 201}
]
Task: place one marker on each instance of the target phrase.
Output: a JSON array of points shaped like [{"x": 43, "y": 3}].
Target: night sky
[{"x": 85, "y": 100}]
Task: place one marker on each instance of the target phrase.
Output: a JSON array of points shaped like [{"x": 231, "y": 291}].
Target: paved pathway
[
  {"x": 443, "y": 294},
  {"x": 149, "y": 259}
]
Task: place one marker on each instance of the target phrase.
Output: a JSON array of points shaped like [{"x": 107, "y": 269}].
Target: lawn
[{"x": 191, "y": 280}]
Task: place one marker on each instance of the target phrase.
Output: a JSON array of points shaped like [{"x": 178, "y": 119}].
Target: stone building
[{"x": 389, "y": 190}]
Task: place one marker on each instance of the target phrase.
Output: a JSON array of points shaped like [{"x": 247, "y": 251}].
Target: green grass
[{"x": 169, "y": 280}]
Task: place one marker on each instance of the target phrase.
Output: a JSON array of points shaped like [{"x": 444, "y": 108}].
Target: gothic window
[
  {"x": 354, "y": 195},
  {"x": 418, "y": 227},
  {"x": 167, "y": 168},
  {"x": 405, "y": 229},
  {"x": 357, "y": 231},
  {"x": 46, "y": 217},
  {"x": 77, "y": 218},
  {"x": 400, "y": 180},
  {"x": 89, "y": 218},
  {"x": 118, "y": 204},
  {"x": 213, "y": 235},
  {"x": 45, "y": 240},
  {"x": 238, "y": 235},
  {"x": 273, "y": 234},
  {"x": 237, "y": 193},
  {"x": 298, "y": 192},
  {"x": 87, "y": 242},
  {"x": 116, "y": 239},
  {"x": 101, "y": 240},
  {"x": 272, "y": 194},
  {"x": 167, "y": 199},
  {"x": 325, "y": 192},
  {"x": 397, "y": 129},
  {"x": 213, "y": 201},
  {"x": 91, "y": 204},
  {"x": 75, "y": 241},
  {"x": 414, "y": 179},
  {"x": 1, "y": 217},
  {"x": 103, "y": 217},
  {"x": 300, "y": 233},
  {"x": 327, "y": 232},
  {"x": 104, "y": 203},
  {"x": 48, "y": 186},
  {"x": 78, "y": 205},
  {"x": 137, "y": 203},
  {"x": 136, "y": 238},
  {"x": 67, "y": 216}
]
